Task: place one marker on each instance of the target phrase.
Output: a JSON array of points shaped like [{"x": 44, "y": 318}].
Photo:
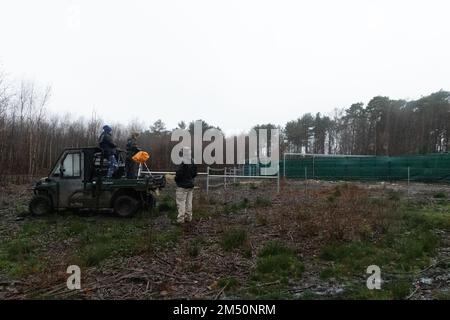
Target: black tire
[
  {"x": 40, "y": 205},
  {"x": 125, "y": 206}
]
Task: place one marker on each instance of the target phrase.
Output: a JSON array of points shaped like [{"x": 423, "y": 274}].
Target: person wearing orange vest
[{"x": 132, "y": 149}]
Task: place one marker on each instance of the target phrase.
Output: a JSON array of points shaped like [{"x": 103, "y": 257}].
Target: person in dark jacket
[
  {"x": 108, "y": 146},
  {"x": 132, "y": 149},
  {"x": 184, "y": 178}
]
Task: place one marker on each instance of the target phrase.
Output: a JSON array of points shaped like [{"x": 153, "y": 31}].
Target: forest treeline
[{"x": 31, "y": 139}]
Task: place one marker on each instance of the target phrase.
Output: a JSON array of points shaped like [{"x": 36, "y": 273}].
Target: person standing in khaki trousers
[
  {"x": 184, "y": 179},
  {"x": 184, "y": 204}
]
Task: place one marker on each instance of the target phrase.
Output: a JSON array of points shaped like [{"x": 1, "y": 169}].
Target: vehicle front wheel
[
  {"x": 40, "y": 205},
  {"x": 125, "y": 206}
]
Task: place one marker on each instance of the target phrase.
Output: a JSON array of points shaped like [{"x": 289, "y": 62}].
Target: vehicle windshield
[{"x": 56, "y": 170}]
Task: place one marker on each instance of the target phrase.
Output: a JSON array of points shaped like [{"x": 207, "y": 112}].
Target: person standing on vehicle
[
  {"x": 132, "y": 149},
  {"x": 184, "y": 178},
  {"x": 106, "y": 143}
]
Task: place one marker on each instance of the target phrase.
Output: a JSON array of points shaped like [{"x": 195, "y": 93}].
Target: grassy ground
[
  {"x": 243, "y": 244},
  {"x": 402, "y": 251}
]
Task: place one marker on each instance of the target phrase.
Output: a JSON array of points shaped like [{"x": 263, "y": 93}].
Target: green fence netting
[{"x": 423, "y": 168}]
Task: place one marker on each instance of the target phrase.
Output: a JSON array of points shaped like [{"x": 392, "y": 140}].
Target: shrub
[
  {"x": 262, "y": 202},
  {"x": 440, "y": 195},
  {"x": 233, "y": 238},
  {"x": 277, "y": 262}
]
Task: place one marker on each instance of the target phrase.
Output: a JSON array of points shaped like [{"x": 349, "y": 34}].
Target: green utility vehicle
[{"x": 78, "y": 181}]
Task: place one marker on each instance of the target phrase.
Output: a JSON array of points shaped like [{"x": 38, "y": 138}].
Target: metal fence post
[
  {"x": 207, "y": 180},
  {"x": 306, "y": 181},
  {"x": 278, "y": 179},
  {"x": 225, "y": 178},
  {"x": 409, "y": 178},
  {"x": 313, "y": 167}
]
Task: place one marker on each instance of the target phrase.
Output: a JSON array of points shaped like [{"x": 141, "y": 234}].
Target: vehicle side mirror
[{"x": 61, "y": 171}]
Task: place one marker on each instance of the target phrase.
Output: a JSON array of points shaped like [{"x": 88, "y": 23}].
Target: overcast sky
[{"x": 231, "y": 63}]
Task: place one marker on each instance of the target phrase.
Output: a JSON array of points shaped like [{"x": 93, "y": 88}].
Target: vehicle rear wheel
[
  {"x": 40, "y": 205},
  {"x": 125, "y": 206}
]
